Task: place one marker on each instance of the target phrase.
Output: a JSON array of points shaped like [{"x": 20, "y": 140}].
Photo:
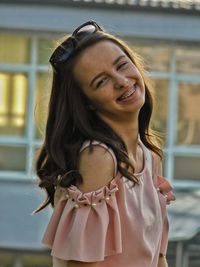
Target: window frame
[{"x": 29, "y": 140}]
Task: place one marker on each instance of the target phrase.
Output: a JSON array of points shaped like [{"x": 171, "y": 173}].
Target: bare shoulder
[{"x": 96, "y": 167}]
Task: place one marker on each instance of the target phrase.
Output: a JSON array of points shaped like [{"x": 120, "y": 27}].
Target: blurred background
[{"x": 167, "y": 35}]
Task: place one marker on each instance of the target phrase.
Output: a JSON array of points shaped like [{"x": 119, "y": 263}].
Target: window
[
  {"x": 45, "y": 48},
  {"x": 13, "y": 103},
  {"x": 188, "y": 125},
  {"x": 161, "y": 108},
  {"x": 23, "y": 89},
  {"x": 186, "y": 167},
  {"x": 175, "y": 72},
  {"x": 43, "y": 84},
  {"x": 156, "y": 57},
  {"x": 14, "y": 49},
  {"x": 12, "y": 158},
  {"x": 25, "y": 81},
  {"x": 188, "y": 60}
]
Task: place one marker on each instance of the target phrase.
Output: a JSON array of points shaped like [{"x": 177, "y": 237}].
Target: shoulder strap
[
  {"x": 154, "y": 169},
  {"x": 87, "y": 143},
  {"x": 149, "y": 158},
  {"x": 152, "y": 164}
]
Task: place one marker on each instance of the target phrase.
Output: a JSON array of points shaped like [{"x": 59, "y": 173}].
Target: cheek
[
  {"x": 99, "y": 100},
  {"x": 102, "y": 98}
]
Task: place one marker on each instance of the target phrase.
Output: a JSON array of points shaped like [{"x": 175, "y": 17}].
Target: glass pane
[
  {"x": 188, "y": 60},
  {"x": 156, "y": 57},
  {"x": 42, "y": 100},
  {"x": 12, "y": 158},
  {"x": 13, "y": 103},
  {"x": 186, "y": 168},
  {"x": 159, "y": 120},
  {"x": 188, "y": 128},
  {"x": 14, "y": 49},
  {"x": 45, "y": 49}
]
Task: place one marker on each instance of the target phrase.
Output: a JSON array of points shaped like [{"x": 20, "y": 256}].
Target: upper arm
[{"x": 96, "y": 167}]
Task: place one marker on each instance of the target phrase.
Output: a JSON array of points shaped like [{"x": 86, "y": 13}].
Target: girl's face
[{"x": 110, "y": 80}]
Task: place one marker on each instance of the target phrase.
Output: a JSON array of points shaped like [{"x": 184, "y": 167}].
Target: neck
[{"x": 128, "y": 131}]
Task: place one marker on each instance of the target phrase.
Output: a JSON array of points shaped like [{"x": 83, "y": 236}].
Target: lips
[{"x": 127, "y": 94}]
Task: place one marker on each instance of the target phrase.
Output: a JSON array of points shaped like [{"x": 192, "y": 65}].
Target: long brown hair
[{"x": 70, "y": 122}]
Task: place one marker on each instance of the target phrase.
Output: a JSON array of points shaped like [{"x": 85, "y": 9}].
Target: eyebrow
[{"x": 102, "y": 73}]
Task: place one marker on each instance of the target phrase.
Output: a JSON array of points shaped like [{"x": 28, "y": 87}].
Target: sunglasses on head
[{"x": 66, "y": 48}]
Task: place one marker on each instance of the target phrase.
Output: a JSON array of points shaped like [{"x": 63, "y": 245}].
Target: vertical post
[
  {"x": 179, "y": 254},
  {"x": 18, "y": 261},
  {"x": 186, "y": 259}
]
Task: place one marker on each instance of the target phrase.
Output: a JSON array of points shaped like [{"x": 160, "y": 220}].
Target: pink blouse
[{"x": 116, "y": 225}]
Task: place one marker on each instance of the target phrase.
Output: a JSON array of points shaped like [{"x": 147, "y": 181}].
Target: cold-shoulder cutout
[
  {"x": 93, "y": 143},
  {"x": 96, "y": 166},
  {"x": 86, "y": 226},
  {"x": 69, "y": 231}
]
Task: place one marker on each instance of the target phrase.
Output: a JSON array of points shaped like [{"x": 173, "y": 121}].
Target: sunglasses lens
[
  {"x": 87, "y": 28},
  {"x": 63, "y": 52}
]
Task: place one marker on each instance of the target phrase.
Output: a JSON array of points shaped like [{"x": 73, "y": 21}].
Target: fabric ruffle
[
  {"x": 85, "y": 226},
  {"x": 164, "y": 188}
]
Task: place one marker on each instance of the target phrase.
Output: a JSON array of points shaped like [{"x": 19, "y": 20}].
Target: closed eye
[
  {"x": 101, "y": 82},
  {"x": 122, "y": 65}
]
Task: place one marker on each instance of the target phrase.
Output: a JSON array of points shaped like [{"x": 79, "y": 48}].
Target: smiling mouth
[{"x": 127, "y": 94}]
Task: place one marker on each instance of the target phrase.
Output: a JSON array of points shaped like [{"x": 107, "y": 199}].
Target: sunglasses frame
[{"x": 66, "y": 48}]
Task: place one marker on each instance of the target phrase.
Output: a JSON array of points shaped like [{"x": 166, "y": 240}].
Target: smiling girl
[{"x": 100, "y": 163}]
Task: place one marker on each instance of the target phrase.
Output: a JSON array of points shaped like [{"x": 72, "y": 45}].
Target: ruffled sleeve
[
  {"x": 166, "y": 195},
  {"x": 85, "y": 226}
]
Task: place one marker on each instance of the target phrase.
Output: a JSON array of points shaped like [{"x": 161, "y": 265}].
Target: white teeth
[{"x": 129, "y": 93}]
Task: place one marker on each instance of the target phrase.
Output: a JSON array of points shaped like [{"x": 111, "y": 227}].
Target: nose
[{"x": 121, "y": 82}]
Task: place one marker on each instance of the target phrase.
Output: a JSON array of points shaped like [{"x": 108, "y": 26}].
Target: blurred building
[{"x": 165, "y": 33}]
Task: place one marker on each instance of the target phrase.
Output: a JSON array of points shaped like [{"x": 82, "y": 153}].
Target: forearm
[
  {"x": 162, "y": 262},
  {"x": 59, "y": 263},
  {"x": 82, "y": 264},
  {"x": 62, "y": 263}
]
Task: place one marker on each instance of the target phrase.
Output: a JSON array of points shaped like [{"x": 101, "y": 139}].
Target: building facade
[{"x": 165, "y": 33}]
